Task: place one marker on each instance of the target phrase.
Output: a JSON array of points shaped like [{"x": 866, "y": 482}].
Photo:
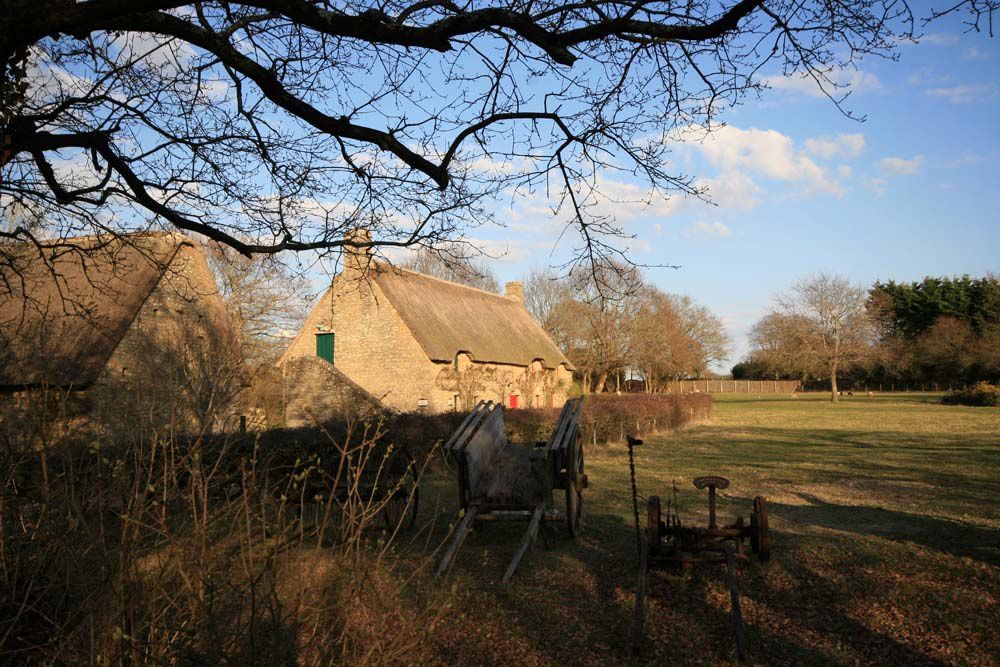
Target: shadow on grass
[
  {"x": 573, "y": 602},
  {"x": 952, "y": 537},
  {"x": 954, "y": 470}
]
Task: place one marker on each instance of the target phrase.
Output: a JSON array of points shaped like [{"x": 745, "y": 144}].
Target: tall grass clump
[{"x": 162, "y": 548}]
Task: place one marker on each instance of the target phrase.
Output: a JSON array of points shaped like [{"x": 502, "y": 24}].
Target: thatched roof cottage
[
  {"x": 134, "y": 310},
  {"x": 417, "y": 342}
]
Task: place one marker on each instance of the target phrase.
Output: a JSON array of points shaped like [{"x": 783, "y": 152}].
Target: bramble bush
[{"x": 982, "y": 394}]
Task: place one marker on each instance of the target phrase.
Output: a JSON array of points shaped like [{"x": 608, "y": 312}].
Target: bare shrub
[{"x": 211, "y": 549}]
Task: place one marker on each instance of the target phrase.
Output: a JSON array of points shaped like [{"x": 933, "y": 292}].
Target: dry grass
[{"x": 886, "y": 545}]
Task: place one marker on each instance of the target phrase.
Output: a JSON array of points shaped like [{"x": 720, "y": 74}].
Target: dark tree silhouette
[{"x": 273, "y": 125}]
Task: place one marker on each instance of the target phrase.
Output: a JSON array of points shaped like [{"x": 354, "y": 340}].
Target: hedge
[
  {"x": 606, "y": 418},
  {"x": 982, "y": 394}
]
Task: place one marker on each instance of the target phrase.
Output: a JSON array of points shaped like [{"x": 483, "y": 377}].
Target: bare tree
[
  {"x": 451, "y": 263},
  {"x": 782, "y": 346},
  {"x": 674, "y": 338},
  {"x": 822, "y": 323},
  {"x": 544, "y": 290},
  {"x": 272, "y": 125},
  {"x": 705, "y": 329},
  {"x": 266, "y": 300}
]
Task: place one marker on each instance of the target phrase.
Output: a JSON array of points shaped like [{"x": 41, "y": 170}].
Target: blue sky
[{"x": 801, "y": 188}]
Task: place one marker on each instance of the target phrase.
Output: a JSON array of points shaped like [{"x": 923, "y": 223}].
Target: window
[{"x": 324, "y": 346}]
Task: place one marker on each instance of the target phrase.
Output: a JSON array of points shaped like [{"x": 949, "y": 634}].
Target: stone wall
[{"x": 314, "y": 392}]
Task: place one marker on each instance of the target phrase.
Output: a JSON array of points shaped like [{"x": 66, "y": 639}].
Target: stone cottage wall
[{"x": 374, "y": 347}]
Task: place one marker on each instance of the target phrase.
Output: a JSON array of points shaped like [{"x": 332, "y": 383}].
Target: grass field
[{"x": 886, "y": 545}]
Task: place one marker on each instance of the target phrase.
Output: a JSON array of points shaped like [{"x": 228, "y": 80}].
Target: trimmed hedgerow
[
  {"x": 982, "y": 394},
  {"x": 606, "y": 418}
]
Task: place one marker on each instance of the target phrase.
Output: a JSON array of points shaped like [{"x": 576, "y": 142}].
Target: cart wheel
[
  {"x": 401, "y": 507},
  {"x": 574, "y": 490},
  {"x": 760, "y": 539},
  {"x": 653, "y": 524}
]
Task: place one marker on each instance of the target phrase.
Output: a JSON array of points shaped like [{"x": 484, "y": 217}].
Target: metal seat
[{"x": 711, "y": 481}]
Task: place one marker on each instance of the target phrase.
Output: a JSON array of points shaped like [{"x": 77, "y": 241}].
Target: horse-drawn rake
[
  {"x": 498, "y": 480},
  {"x": 670, "y": 543}
]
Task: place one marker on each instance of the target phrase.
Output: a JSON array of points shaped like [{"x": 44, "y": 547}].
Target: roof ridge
[
  {"x": 179, "y": 237},
  {"x": 393, "y": 267}
]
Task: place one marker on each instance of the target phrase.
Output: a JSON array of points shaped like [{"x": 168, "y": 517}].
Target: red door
[{"x": 513, "y": 401}]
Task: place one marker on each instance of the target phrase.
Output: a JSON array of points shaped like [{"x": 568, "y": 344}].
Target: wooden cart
[{"x": 498, "y": 480}]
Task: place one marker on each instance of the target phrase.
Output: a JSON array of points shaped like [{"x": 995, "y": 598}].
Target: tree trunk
[
  {"x": 833, "y": 384},
  {"x": 601, "y": 380}
]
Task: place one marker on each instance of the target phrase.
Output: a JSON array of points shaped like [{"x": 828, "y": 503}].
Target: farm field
[{"x": 885, "y": 530}]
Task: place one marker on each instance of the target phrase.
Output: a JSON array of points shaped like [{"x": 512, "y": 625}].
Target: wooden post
[
  {"x": 640, "y": 599},
  {"x": 464, "y": 526},
  {"x": 734, "y": 596},
  {"x": 526, "y": 543}
]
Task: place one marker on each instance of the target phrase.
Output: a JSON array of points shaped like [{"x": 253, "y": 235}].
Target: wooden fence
[{"x": 733, "y": 386}]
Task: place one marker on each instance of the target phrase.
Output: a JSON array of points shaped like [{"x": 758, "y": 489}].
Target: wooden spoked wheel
[
  {"x": 403, "y": 499},
  {"x": 576, "y": 482},
  {"x": 653, "y": 524},
  {"x": 760, "y": 533}
]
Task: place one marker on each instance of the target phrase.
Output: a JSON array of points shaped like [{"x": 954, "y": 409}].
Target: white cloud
[
  {"x": 502, "y": 250},
  {"x": 845, "y": 79},
  {"x": 733, "y": 190},
  {"x": 845, "y": 145},
  {"x": 901, "y": 166},
  {"x": 767, "y": 152},
  {"x": 964, "y": 93},
  {"x": 927, "y": 76},
  {"x": 626, "y": 201},
  {"x": 975, "y": 53},
  {"x": 876, "y": 185},
  {"x": 712, "y": 230},
  {"x": 967, "y": 160},
  {"x": 844, "y": 171},
  {"x": 938, "y": 39},
  {"x": 742, "y": 155}
]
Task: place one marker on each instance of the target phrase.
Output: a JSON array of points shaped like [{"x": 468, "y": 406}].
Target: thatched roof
[
  {"x": 64, "y": 309},
  {"x": 447, "y": 318}
]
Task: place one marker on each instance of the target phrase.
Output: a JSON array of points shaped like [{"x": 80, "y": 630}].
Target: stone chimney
[
  {"x": 514, "y": 290},
  {"x": 357, "y": 255}
]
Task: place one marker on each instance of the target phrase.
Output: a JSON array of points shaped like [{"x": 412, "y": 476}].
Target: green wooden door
[{"x": 324, "y": 346}]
